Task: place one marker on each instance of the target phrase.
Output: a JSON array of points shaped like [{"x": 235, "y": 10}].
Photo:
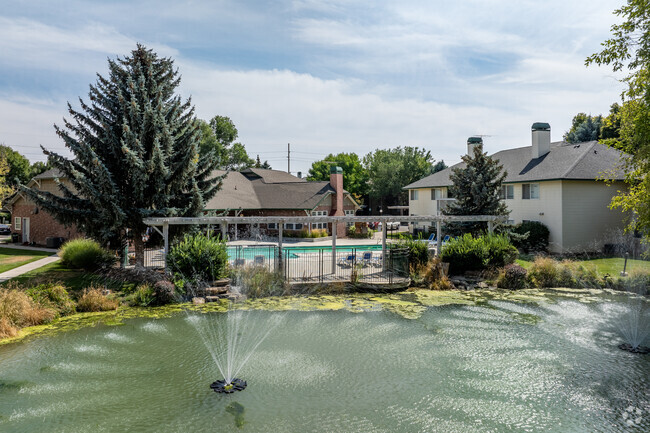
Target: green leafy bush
[
  {"x": 198, "y": 257},
  {"x": 533, "y": 236},
  {"x": 144, "y": 295},
  {"x": 418, "y": 252},
  {"x": 467, "y": 253},
  {"x": 53, "y": 296},
  {"x": 514, "y": 277},
  {"x": 85, "y": 254}
]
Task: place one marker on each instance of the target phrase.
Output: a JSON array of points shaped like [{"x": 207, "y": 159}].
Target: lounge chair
[
  {"x": 347, "y": 261},
  {"x": 239, "y": 262},
  {"x": 366, "y": 259}
]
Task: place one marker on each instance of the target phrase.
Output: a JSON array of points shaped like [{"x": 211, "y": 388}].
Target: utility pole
[{"x": 289, "y": 158}]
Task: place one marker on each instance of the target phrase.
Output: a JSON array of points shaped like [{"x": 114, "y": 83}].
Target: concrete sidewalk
[{"x": 28, "y": 267}]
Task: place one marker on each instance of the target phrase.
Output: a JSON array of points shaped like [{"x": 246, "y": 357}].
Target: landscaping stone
[{"x": 198, "y": 300}]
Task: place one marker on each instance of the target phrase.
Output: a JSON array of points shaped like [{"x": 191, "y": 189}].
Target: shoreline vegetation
[
  {"x": 409, "y": 304},
  {"x": 86, "y": 287}
]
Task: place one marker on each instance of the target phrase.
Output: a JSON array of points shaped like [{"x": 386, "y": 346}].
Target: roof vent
[
  {"x": 541, "y": 139},
  {"x": 473, "y": 142}
]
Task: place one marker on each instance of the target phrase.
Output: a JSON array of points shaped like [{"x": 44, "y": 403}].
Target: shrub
[
  {"x": 418, "y": 252},
  {"x": 544, "y": 272},
  {"x": 85, "y": 254},
  {"x": 435, "y": 275},
  {"x": 533, "y": 236},
  {"x": 53, "y": 296},
  {"x": 17, "y": 310},
  {"x": 468, "y": 253},
  {"x": 198, "y": 257},
  {"x": 257, "y": 282},
  {"x": 93, "y": 300},
  {"x": 143, "y": 296},
  {"x": 164, "y": 292},
  {"x": 514, "y": 277}
]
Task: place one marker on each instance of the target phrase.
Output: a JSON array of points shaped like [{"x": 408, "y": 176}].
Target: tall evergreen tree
[
  {"x": 476, "y": 188},
  {"x": 136, "y": 154}
]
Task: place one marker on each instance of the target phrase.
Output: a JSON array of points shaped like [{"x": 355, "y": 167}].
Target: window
[
  {"x": 349, "y": 213},
  {"x": 292, "y": 226},
  {"x": 272, "y": 226},
  {"x": 530, "y": 191},
  {"x": 507, "y": 192},
  {"x": 414, "y": 194},
  {"x": 17, "y": 223},
  {"x": 319, "y": 226},
  {"x": 436, "y": 194}
]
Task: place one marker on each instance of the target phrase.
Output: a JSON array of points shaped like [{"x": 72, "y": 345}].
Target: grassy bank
[{"x": 611, "y": 266}]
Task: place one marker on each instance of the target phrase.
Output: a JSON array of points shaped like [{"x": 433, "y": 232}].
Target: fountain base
[
  {"x": 643, "y": 350},
  {"x": 228, "y": 388}
]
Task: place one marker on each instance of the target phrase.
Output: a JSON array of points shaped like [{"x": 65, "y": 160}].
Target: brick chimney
[{"x": 336, "y": 181}]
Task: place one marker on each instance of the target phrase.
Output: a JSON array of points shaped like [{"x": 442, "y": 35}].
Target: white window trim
[
  {"x": 18, "y": 221},
  {"x": 530, "y": 191},
  {"x": 414, "y": 194},
  {"x": 319, "y": 226}
]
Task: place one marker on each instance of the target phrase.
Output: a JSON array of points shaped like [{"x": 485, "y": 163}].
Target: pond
[{"x": 446, "y": 362}]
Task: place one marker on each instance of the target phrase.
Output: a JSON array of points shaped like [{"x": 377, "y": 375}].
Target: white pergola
[{"x": 225, "y": 221}]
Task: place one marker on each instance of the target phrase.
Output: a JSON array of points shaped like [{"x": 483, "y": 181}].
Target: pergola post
[
  {"x": 166, "y": 240},
  {"x": 384, "y": 234},
  {"x": 224, "y": 231},
  {"x": 438, "y": 235},
  {"x": 490, "y": 226},
  {"x": 280, "y": 227},
  {"x": 333, "y": 247}
]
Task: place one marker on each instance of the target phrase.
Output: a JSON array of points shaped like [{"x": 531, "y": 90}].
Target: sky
[{"x": 326, "y": 76}]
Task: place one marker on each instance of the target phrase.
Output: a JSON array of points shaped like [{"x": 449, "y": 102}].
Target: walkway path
[{"x": 28, "y": 267}]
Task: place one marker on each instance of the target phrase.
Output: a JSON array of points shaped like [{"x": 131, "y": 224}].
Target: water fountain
[
  {"x": 231, "y": 344},
  {"x": 634, "y": 326}
]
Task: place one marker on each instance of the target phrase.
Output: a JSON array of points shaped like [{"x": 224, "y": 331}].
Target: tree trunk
[{"x": 139, "y": 250}]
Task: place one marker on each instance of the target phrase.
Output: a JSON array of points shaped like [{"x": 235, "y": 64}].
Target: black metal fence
[{"x": 359, "y": 265}]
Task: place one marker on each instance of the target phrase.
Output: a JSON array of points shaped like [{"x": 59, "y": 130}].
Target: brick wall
[{"x": 42, "y": 225}]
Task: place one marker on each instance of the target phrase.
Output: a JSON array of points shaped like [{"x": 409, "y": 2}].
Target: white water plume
[
  {"x": 233, "y": 340},
  {"x": 634, "y": 324}
]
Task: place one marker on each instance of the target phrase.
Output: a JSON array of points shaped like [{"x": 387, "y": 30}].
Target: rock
[
  {"x": 198, "y": 301},
  {"x": 482, "y": 285}
]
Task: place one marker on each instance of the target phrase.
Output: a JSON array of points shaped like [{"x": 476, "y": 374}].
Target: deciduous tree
[
  {"x": 628, "y": 50},
  {"x": 390, "y": 170},
  {"x": 355, "y": 176}
]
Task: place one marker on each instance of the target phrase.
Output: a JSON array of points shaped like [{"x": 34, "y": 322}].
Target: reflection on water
[{"x": 551, "y": 365}]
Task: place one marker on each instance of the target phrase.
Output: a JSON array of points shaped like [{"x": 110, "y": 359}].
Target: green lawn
[
  {"x": 612, "y": 266},
  {"x": 72, "y": 279},
  {"x": 13, "y": 257}
]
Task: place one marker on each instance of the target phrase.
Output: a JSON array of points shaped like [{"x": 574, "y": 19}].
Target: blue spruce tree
[{"x": 136, "y": 154}]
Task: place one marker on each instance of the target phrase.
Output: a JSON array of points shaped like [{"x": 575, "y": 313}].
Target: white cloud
[{"x": 26, "y": 43}]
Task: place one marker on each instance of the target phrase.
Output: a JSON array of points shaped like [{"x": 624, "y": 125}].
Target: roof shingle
[{"x": 580, "y": 161}]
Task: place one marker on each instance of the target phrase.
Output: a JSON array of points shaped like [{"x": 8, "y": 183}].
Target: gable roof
[
  {"x": 565, "y": 161},
  {"x": 267, "y": 189}
]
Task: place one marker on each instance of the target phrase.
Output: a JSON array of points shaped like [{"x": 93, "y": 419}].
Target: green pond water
[{"x": 414, "y": 362}]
